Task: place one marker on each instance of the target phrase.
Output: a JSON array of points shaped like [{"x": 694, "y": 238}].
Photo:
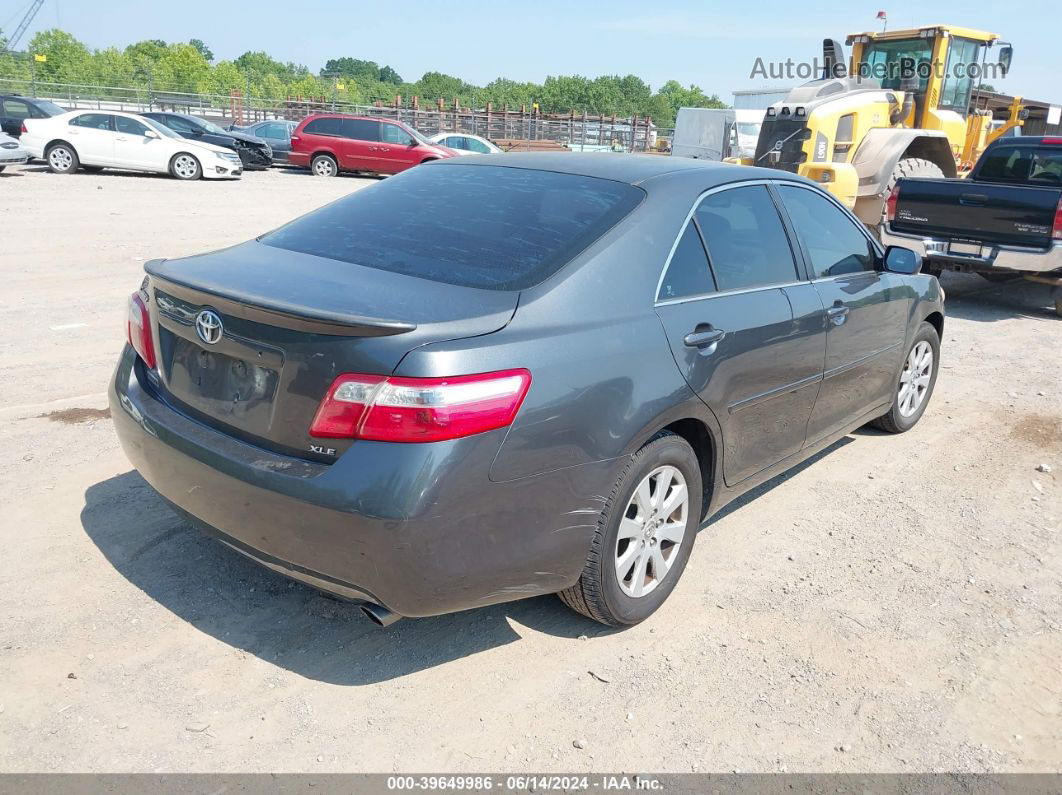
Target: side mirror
[
  {"x": 151, "y": 134},
  {"x": 197, "y": 131},
  {"x": 902, "y": 260},
  {"x": 1006, "y": 55},
  {"x": 412, "y": 142}
]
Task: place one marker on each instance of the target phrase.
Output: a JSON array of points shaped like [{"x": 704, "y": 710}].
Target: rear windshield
[
  {"x": 1029, "y": 163},
  {"x": 491, "y": 227}
]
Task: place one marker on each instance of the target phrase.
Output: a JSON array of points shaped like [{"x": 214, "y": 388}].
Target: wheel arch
[
  {"x": 55, "y": 142},
  {"x": 882, "y": 148},
  {"x": 936, "y": 320},
  {"x": 698, "y": 435},
  {"x": 325, "y": 153}
]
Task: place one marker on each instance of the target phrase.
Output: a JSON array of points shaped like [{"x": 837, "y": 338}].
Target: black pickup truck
[{"x": 1003, "y": 220}]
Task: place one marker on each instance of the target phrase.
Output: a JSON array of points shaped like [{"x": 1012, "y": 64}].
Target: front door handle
[
  {"x": 837, "y": 313},
  {"x": 703, "y": 336}
]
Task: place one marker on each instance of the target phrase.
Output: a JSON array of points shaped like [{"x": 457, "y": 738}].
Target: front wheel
[
  {"x": 185, "y": 166},
  {"x": 644, "y": 535},
  {"x": 62, "y": 159},
  {"x": 915, "y": 384}
]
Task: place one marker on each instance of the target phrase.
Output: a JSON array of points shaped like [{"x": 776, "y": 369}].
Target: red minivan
[{"x": 328, "y": 143}]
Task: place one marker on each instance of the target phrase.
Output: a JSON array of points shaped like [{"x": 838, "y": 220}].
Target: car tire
[
  {"x": 184, "y": 166},
  {"x": 62, "y": 159},
  {"x": 324, "y": 166},
  {"x": 633, "y": 536},
  {"x": 2, "y": 169},
  {"x": 907, "y": 408}
]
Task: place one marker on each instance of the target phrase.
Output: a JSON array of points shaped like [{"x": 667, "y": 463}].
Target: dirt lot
[{"x": 893, "y": 605}]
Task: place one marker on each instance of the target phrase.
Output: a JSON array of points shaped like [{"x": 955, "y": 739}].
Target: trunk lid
[
  {"x": 980, "y": 212},
  {"x": 290, "y": 323}
]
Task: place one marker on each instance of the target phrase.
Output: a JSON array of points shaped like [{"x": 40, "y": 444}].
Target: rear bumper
[
  {"x": 998, "y": 257},
  {"x": 418, "y": 528}
]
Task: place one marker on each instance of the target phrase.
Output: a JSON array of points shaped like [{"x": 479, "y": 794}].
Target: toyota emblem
[{"x": 208, "y": 326}]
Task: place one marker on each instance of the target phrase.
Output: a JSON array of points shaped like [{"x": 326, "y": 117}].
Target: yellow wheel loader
[{"x": 900, "y": 108}]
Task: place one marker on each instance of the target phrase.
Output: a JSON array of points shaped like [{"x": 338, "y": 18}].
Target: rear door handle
[
  {"x": 973, "y": 199},
  {"x": 702, "y": 337},
  {"x": 837, "y": 314}
]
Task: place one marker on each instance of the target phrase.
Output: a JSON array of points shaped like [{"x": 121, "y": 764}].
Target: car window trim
[
  {"x": 874, "y": 243},
  {"x": 799, "y": 271}
]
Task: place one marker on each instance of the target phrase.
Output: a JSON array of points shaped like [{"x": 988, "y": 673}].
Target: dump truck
[{"x": 900, "y": 107}]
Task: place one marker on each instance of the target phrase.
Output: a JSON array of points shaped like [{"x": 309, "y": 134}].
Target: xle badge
[{"x": 316, "y": 448}]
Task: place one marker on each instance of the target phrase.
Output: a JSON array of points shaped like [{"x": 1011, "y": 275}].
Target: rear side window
[
  {"x": 16, "y": 109},
  {"x": 835, "y": 244},
  {"x": 490, "y": 227},
  {"x": 687, "y": 273},
  {"x": 361, "y": 129},
  {"x": 98, "y": 121},
  {"x": 323, "y": 127},
  {"x": 746, "y": 241}
]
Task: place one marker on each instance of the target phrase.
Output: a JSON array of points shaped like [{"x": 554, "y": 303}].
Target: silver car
[{"x": 12, "y": 153}]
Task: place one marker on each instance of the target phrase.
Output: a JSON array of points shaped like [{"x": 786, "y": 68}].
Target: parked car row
[{"x": 190, "y": 147}]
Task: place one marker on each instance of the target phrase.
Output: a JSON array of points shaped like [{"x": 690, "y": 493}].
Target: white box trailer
[{"x": 703, "y": 133}]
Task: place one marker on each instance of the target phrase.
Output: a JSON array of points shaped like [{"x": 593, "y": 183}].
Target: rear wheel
[
  {"x": 644, "y": 535},
  {"x": 62, "y": 159},
  {"x": 914, "y": 387},
  {"x": 324, "y": 166},
  {"x": 185, "y": 166}
]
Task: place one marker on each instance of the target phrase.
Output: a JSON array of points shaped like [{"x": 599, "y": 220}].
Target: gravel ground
[{"x": 893, "y": 605}]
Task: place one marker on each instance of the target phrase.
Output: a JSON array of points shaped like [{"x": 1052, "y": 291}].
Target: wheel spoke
[
  {"x": 672, "y": 531},
  {"x": 630, "y": 528},
  {"x": 638, "y": 580},
  {"x": 660, "y": 566},
  {"x": 922, "y": 381},
  {"x": 626, "y": 560},
  {"x": 673, "y": 500},
  {"x": 643, "y": 498}
]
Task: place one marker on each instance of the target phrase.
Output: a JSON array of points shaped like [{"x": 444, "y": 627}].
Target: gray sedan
[{"x": 490, "y": 378}]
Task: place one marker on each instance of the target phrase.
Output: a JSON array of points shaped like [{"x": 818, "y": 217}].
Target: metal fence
[{"x": 523, "y": 124}]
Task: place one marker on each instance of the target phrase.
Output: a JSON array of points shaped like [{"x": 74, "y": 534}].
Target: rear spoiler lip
[{"x": 274, "y": 313}]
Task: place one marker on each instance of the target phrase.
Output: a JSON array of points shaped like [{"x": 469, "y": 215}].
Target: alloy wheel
[
  {"x": 915, "y": 378},
  {"x": 60, "y": 159},
  {"x": 651, "y": 531},
  {"x": 323, "y": 167},
  {"x": 185, "y": 166}
]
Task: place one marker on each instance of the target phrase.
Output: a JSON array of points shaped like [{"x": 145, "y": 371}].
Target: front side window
[
  {"x": 361, "y": 129},
  {"x": 882, "y": 61},
  {"x": 491, "y": 227},
  {"x": 178, "y": 124},
  {"x": 834, "y": 242},
  {"x": 687, "y": 273},
  {"x": 98, "y": 121},
  {"x": 274, "y": 131},
  {"x": 958, "y": 84},
  {"x": 747, "y": 244},
  {"x": 393, "y": 134},
  {"x": 130, "y": 126},
  {"x": 477, "y": 146}
]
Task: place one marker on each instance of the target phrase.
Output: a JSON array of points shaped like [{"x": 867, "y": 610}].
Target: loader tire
[{"x": 907, "y": 167}]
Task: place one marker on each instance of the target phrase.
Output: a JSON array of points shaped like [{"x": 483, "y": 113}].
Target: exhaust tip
[{"x": 379, "y": 615}]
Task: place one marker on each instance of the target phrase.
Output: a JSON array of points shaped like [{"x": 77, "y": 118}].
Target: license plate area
[
  {"x": 229, "y": 388},
  {"x": 965, "y": 249}
]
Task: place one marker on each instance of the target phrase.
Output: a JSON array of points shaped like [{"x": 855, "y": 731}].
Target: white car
[
  {"x": 93, "y": 140},
  {"x": 11, "y": 152},
  {"x": 465, "y": 144}
]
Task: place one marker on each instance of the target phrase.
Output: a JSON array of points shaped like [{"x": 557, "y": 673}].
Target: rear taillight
[
  {"x": 890, "y": 203},
  {"x": 1056, "y": 232},
  {"x": 138, "y": 328},
  {"x": 419, "y": 409},
  {"x": 24, "y": 128}
]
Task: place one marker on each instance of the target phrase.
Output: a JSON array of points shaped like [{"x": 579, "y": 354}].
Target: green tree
[
  {"x": 68, "y": 59},
  {"x": 205, "y": 51}
]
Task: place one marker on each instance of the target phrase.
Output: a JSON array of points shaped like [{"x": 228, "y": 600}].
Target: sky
[{"x": 711, "y": 44}]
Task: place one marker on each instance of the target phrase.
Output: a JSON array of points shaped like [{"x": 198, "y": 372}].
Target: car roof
[{"x": 631, "y": 168}]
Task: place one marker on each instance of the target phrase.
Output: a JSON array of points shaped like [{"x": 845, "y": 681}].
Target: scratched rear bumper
[{"x": 418, "y": 528}]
